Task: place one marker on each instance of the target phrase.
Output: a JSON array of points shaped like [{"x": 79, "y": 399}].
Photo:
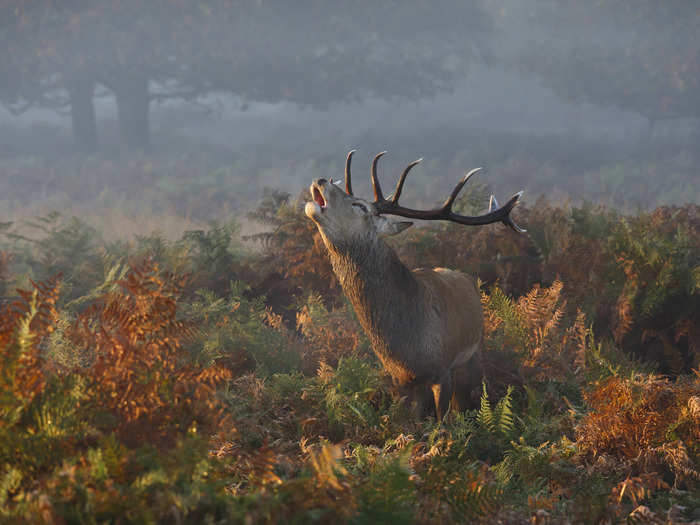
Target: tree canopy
[
  {"x": 315, "y": 52},
  {"x": 641, "y": 56}
]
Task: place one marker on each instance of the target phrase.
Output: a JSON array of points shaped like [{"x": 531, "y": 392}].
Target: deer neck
[{"x": 383, "y": 291}]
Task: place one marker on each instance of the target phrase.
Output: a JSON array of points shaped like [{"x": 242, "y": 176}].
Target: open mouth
[{"x": 318, "y": 197}]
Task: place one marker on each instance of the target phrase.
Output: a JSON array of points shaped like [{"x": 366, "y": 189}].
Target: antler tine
[
  {"x": 399, "y": 186},
  {"x": 378, "y": 196},
  {"x": 348, "y": 182},
  {"x": 508, "y": 220},
  {"x": 444, "y": 212},
  {"x": 493, "y": 203},
  {"x": 450, "y": 200}
]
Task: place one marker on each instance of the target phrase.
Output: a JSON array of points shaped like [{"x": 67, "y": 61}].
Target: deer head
[{"x": 342, "y": 218}]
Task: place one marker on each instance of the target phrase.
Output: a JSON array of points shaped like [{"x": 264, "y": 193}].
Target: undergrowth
[{"x": 198, "y": 380}]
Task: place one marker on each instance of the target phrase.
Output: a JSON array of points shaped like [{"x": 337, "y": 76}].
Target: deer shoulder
[{"x": 456, "y": 305}]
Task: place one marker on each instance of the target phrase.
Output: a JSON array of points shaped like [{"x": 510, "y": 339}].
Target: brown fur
[{"x": 424, "y": 325}]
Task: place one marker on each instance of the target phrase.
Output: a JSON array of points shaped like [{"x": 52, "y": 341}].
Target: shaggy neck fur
[{"x": 386, "y": 297}]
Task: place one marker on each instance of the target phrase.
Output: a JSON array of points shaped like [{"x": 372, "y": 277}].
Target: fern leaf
[
  {"x": 485, "y": 416},
  {"x": 25, "y": 335},
  {"x": 9, "y": 482},
  {"x": 504, "y": 414}
]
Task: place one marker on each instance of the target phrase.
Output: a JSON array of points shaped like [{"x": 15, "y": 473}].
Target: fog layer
[{"x": 220, "y": 100}]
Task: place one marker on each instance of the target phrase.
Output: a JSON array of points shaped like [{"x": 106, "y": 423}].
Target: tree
[
  {"x": 309, "y": 51},
  {"x": 641, "y": 56},
  {"x": 59, "y": 53}
]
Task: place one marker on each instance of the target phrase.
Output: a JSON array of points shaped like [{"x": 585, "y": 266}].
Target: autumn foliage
[
  {"x": 155, "y": 388},
  {"x": 135, "y": 345}
]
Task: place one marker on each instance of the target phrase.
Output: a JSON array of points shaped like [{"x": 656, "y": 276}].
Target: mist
[
  {"x": 197, "y": 325},
  {"x": 182, "y": 114}
]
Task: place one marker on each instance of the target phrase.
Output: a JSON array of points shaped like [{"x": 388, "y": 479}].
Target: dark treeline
[{"x": 315, "y": 53}]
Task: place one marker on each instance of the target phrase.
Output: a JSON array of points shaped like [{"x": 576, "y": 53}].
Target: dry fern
[
  {"x": 632, "y": 420},
  {"x": 136, "y": 340}
]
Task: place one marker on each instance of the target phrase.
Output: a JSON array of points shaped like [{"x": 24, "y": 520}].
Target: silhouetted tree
[
  {"x": 60, "y": 55},
  {"x": 641, "y": 56}
]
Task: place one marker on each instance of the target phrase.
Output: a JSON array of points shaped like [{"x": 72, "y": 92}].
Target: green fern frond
[
  {"x": 506, "y": 309},
  {"x": 470, "y": 499},
  {"x": 504, "y": 414},
  {"x": 499, "y": 420},
  {"x": 25, "y": 336},
  {"x": 485, "y": 417},
  {"x": 529, "y": 464},
  {"x": 113, "y": 275},
  {"x": 10, "y": 481},
  {"x": 98, "y": 467},
  {"x": 57, "y": 415}
]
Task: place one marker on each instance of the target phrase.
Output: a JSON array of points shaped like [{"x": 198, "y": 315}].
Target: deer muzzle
[{"x": 314, "y": 209}]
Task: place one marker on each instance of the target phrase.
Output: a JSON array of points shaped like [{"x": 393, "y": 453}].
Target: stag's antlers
[
  {"x": 348, "y": 183},
  {"x": 392, "y": 207}
]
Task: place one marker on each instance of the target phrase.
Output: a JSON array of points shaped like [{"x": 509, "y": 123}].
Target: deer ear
[{"x": 388, "y": 227}]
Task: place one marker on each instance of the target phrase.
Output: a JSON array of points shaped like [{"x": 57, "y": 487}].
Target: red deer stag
[{"x": 425, "y": 325}]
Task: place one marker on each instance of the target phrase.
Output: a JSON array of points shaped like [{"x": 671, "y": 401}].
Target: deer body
[{"x": 425, "y": 325}]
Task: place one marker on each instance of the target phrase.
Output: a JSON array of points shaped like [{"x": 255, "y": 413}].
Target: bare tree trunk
[
  {"x": 81, "y": 90},
  {"x": 133, "y": 100}
]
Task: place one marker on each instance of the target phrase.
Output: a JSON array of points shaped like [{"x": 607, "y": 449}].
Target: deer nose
[{"x": 320, "y": 182}]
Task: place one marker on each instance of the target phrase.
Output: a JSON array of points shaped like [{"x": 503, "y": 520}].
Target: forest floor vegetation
[{"x": 197, "y": 380}]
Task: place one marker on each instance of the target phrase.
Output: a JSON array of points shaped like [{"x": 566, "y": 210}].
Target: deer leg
[
  {"x": 463, "y": 379},
  {"x": 419, "y": 399},
  {"x": 467, "y": 379},
  {"x": 442, "y": 394},
  {"x": 458, "y": 401},
  {"x": 424, "y": 398}
]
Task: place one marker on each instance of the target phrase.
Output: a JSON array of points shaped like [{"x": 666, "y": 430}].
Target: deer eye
[{"x": 360, "y": 206}]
